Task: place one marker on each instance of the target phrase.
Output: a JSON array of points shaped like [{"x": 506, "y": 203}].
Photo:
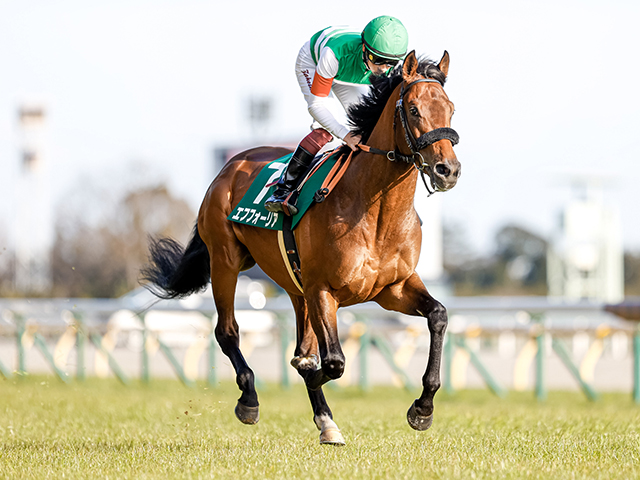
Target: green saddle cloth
[{"x": 251, "y": 211}]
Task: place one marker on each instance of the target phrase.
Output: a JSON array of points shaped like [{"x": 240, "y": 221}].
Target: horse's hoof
[
  {"x": 247, "y": 415},
  {"x": 416, "y": 421},
  {"x": 331, "y": 436}
]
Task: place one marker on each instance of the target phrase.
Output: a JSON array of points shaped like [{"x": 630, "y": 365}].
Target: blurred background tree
[
  {"x": 632, "y": 273},
  {"x": 517, "y": 266},
  {"x": 102, "y": 237},
  {"x": 7, "y": 264}
]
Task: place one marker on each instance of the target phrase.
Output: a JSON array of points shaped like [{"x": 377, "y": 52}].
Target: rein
[{"x": 415, "y": 145}]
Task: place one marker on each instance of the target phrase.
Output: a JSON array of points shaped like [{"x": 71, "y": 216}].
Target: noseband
[{"x": 416, "y": 145}]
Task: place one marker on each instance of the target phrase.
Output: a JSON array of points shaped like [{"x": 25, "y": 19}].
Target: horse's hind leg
[
  {"x": 306, "y": 363},
  {"x": 412, "y": 298},
  {"x": 225, "y": 266}
]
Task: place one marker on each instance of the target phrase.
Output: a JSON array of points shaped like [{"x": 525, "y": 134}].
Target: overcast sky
[{"x": 543, "y": 90}]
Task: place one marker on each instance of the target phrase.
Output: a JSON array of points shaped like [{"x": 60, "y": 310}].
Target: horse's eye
[{"x": 414, "y": 111}]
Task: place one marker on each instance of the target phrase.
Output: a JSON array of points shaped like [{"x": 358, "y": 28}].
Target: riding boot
[
  {"x": 289, "y": 180},
  {"x": 298, "y": 165}
]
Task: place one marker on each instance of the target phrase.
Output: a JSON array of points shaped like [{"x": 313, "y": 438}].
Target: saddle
[{"x": 323, "y": 175}]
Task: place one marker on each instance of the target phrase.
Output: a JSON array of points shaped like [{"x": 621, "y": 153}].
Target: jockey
[{"x": 340, "y": 61}]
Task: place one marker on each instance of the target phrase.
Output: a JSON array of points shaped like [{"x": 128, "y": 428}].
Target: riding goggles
[{"x": 378, "y": 60}]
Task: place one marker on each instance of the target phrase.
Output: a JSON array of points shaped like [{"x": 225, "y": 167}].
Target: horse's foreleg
[
  {"x": 412, "y": 298},
  {"x": 306, "y": 363},
  {"x": 322, "y": 416},
  {"x": 322, "y": 309}
]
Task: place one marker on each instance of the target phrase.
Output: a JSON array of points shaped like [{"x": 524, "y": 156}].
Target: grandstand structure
[{"x": 585, "y": 259}]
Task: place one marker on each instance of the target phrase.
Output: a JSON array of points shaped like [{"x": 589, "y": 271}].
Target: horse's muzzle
[{"x": 446, "y": 174}]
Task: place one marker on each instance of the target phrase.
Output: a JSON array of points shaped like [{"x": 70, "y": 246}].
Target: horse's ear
[
  {"x": 444, "y": 63},
  {"x": 410, "y": 65}
]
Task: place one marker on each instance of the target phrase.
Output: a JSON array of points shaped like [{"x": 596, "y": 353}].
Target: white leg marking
[
  {"x": 329, "y": 431},
  {"x": 305, "y": 362}
]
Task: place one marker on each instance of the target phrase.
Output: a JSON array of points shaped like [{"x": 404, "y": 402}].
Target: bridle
[{"x": 416, "y": 144}]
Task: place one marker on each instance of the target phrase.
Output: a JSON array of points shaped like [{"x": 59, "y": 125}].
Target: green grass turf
[{"x": 101, "y": 429}]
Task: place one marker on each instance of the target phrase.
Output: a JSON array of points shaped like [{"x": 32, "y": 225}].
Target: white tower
[
  {"x": 586, "y": 260},
  {"x": 33, "y": 217}
]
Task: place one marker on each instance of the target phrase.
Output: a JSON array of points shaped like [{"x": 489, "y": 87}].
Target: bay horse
[{"x": 361, "y": 244}]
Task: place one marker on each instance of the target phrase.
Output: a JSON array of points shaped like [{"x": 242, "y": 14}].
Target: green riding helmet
[{"x": 387, "y": 38}]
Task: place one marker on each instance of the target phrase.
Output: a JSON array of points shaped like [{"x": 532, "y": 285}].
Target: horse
[{"x": 360, "y": 244}]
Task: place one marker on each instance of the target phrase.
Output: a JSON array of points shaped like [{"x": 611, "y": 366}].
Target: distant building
[
  {"x": 585, "y": 259},
  {"x": 33, "y": 227}
]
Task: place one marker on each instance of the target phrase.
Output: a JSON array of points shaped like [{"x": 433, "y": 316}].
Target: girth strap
[{"x": 289, "y": 252}]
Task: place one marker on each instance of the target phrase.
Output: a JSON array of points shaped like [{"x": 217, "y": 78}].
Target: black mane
[{"x": 364, "y": 115}]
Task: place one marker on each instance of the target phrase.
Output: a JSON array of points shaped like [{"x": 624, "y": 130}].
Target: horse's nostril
[{"x": 442, "y": 170}]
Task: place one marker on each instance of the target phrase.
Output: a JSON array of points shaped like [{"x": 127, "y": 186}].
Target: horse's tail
[{"x": 176, "y": 272}]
